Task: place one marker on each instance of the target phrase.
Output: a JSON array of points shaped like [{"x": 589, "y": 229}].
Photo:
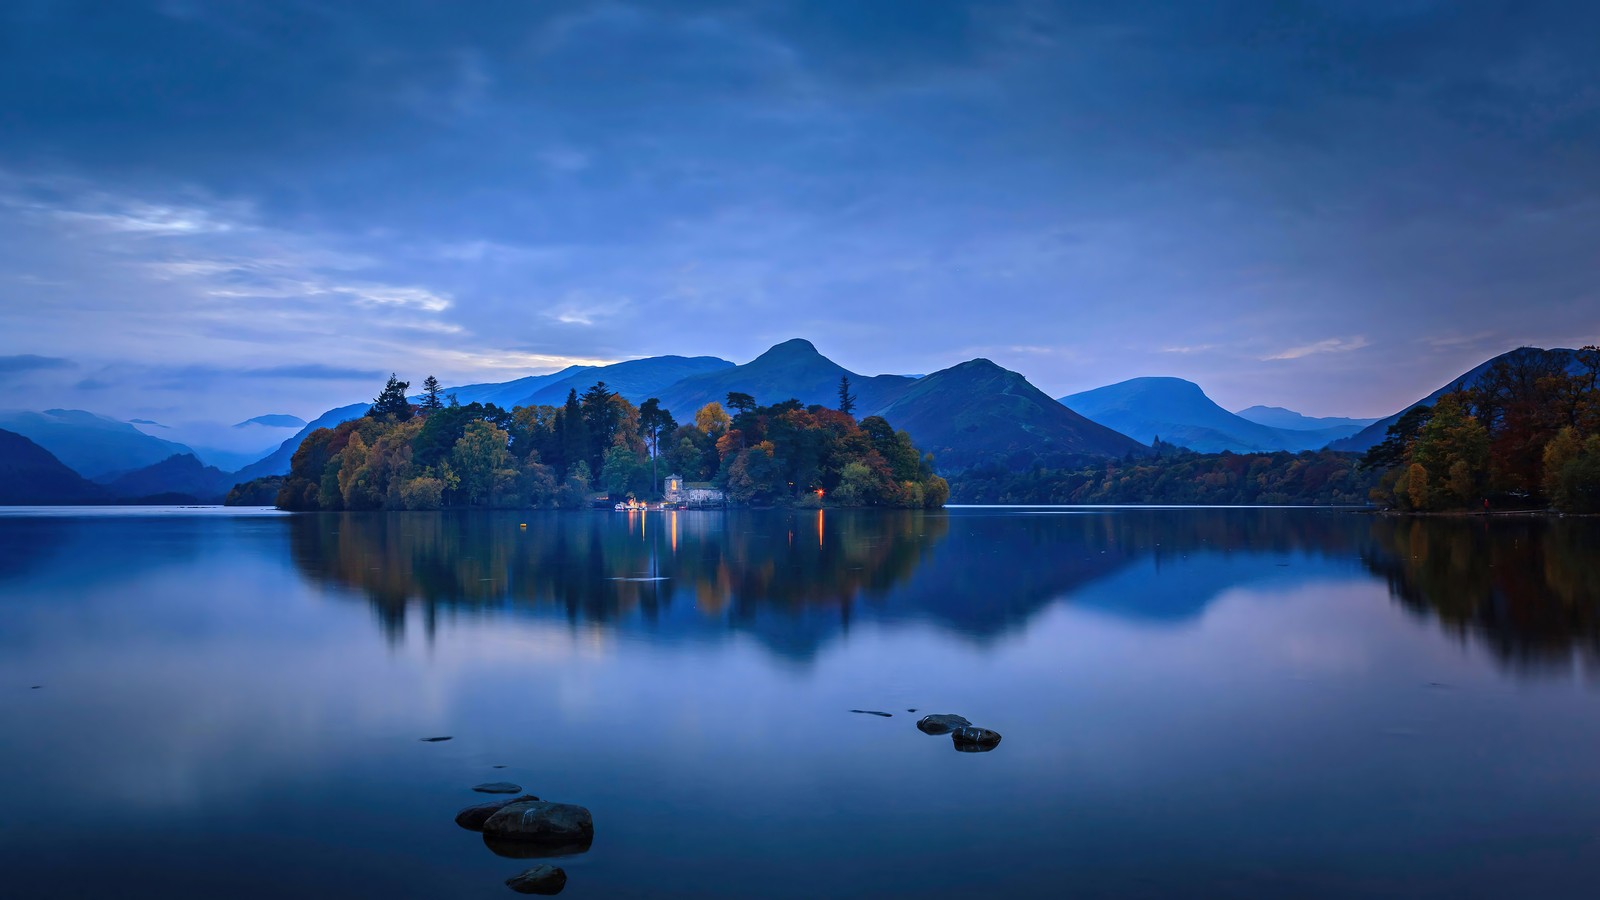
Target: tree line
[
  {"x": 437, "y": 453},
  {"x": 1526, "y": 434}
]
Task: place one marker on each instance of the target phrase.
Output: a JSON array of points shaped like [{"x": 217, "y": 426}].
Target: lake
[{"x": 1193, "y": 702}]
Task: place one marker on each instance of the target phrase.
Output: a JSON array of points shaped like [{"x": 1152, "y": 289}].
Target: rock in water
[
  {"x": 473, "y": 817},
  {"x": 542, "y": 879},
  {"x": 972, "y": 739},
  {"x": 873, "y": 712},
  {"x": 434, "y": 740},
  {"x": 497, "y": 787},
  {"x": 541, "y": 822},
  {"x": 942, "y": 723}
]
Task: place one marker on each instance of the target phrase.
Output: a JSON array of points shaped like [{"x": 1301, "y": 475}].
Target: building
[{"x": 692, "y": 493}]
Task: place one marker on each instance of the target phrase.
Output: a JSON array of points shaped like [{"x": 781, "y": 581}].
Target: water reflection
[{"x": 1528, "y": 588}]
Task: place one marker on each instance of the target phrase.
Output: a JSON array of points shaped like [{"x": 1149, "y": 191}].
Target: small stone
[
  {"x": 541, "y": 879},
  {"x": 497, "y": 787},
  {"x": 434, "y": 740},
  {"x": 973, "y": 739},
  {"x": 873, "y": 712},
  {"x": 473, "y": 817},
  {"x": 499, "y": 767},
  {"x": 941, "y": 723}
]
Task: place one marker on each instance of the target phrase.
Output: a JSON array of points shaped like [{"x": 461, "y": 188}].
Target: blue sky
[{"x": 218, "y": 210}]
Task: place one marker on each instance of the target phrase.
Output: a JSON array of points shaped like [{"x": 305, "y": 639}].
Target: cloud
[
  {"x": 1331, "y": 345},
  {"x": 313, "y": 372},
  {"x": 29, "y": 362}
]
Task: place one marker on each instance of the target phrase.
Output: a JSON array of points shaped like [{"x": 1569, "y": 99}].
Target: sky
[{"x": 210, "y": 211}]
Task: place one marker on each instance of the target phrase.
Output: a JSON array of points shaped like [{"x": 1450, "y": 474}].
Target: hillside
[
  {"x": 1373, "y": 434},
  {"x": 1179, "y": 412},
  {"x": 505, "y": 394},
  {"x": 277, "y": 462},
  {"x": 30, "y": 475},
  {"x": 978, "y": 412},
  {"x": 792, "y": 369},
  {"x": 182, "y": 475},
  {"x": 94, "y": 446},
  {"x": 636, "y": 379},
  {"x": 1289, "y": 420}
]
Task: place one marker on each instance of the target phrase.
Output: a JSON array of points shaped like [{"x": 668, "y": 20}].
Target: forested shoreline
[{"x": 438, "y": 453}]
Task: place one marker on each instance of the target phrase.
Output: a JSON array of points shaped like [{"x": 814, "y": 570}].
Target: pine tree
[
  {"x": 847, "y": 400},
  {"x": 430, "y": 393},
  {"x": 392, "y": 402}
]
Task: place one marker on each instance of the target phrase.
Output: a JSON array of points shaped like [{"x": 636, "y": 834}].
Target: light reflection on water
[{"x": 1238, "y": 702}]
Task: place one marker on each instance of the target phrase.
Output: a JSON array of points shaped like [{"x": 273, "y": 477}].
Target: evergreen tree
[
  {"x": 430, "y": 393},
  {"x": 847, "y": 400},
  {"x": 392, "y": 402}
]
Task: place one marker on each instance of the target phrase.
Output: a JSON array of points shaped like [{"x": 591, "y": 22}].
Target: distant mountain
[
  {"x": 182, "y": 478},
  {"x": 273, "y": 420},
  {"x": 30, "y": 475},
  {"x": 1289, "y": 420},
  {"x": 1179, "y": 412},
  {"x": 507, "y": 394},
  {"x": 978, "y": 412},
  {"x": 94, "y": 446},
  {"x": 636, "y": 379},
  {"x": 1373, "y": 434},
  {"x": 793, "y": 369},
  {"x": 277, "y": 462}
]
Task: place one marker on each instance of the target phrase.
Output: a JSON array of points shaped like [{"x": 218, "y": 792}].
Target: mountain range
[{"x": 972, "y": 413}]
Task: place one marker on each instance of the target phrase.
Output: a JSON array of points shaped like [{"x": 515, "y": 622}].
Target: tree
[
  {"x": 1453, "y": 451},
  {"x": 477, "y": 457},
  {"x": 847, "y": 400},
  {"x": 741, "y": 403},
  {"x": 430, "y": 394},
  {"x": 712, "y": 419},
  {"x": 391, "y": 402},
  {"x": 654, "y": 420}
]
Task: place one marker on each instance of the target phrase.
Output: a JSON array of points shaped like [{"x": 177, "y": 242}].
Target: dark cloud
[{"x": 29, "y": 362}]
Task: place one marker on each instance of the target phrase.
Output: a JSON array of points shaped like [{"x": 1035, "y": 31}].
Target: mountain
[
  {"x": 1289, "y": 420},
  {"x": 30, "y": 476},
  {"x": 273, "y": 420},
  {"x": 507, "y": 394},
  {"x": 277, "y": 462},
  {"x": 792, "y": 369},
  {"x": 978, "y": 412},
  {"x": 636, "y": 379},
  {"x": 1179, "y": 412},
  {"x": 93, "y": 446},
  {"x": 1373, "y": 434},
  {"x": 182, "y": 476}
]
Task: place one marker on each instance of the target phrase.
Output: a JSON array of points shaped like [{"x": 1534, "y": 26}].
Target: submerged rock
[
  {"x": 434, "y": 740},
  {"x": 510, "y": 848},
  {"x": 873, "y": 712},
  {"x": 941, "y": 723},
  {"x": 497, "y": 787},
  {"x": 972, "y": 739},
  {"x": 473, "y": 817},
  {"x": 541, "y": 879},
  {"x": 537, "y": 821}
]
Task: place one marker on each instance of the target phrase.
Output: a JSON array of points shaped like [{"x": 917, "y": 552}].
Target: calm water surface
[{"x": 1250, "y": 703}]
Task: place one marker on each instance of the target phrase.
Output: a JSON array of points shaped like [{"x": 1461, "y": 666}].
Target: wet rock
[
  {"x": 541, "y": 879},
  {"x": 515, "y": 849},
  {"x": 941, "y": 723},
  {"x": 973, "y": 739},
  {"x": 434, "y": 740},
  {"x": 539, "y": 822},
  {"x": 473, "y": 817},
  {"x": 497, "y": 787},
  {"x": 873, "y": 712}
]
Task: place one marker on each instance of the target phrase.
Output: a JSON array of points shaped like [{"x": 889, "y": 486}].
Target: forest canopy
[{"x": 434, "y": 455}]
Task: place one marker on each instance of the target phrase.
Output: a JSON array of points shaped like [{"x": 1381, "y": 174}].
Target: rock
[
  {"x": 873, "y": 712},
  {"x": 541, "y": 879},
  {"x": 434, "y": 740},
  {"x": 511, "y": 848},
  {"x": 537, "y": 821},
  {"x": 941, "y": 723},
  {"x": 499, "y": 767},
  {"x": 473, "y": 817},
  {"x": 497, "y": 787},
  {"x": 973, "y": 739}
]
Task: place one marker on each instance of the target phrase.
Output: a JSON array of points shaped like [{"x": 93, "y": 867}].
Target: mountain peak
[{"x": 794, "y": 348}]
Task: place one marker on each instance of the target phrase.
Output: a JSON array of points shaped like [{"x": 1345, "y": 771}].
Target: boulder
[
  {"x": 434, "y": 740},
  {"x": 873, "y": 712},
  {"x": 511, "y": 848},
  {"x": 539, "y": 822},
  {"x": 473, "y": 817},
  {"x": 541, "y": 879},
  {"x": 941, "y": 723},
  {"x": 973, "y": 739},
  {"x": 497, "y": 787}
]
